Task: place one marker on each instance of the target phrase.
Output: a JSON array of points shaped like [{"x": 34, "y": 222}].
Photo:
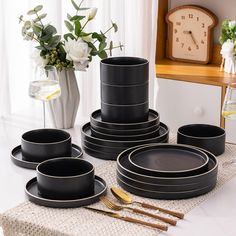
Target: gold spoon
[{"x": 125, "y": 198}]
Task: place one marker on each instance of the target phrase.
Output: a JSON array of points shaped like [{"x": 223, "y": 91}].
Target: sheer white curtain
[{"x": 136, "y": 20}]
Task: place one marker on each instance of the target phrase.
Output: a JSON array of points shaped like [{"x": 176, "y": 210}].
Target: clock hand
[{"x": 191, "y": 34}]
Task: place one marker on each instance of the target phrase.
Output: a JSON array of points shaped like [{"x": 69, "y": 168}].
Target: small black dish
[
  {"x": 125, "y": 128},
  {"x": 65, "y": 178},
  {"x": 42, "y": 144},
  {"x": 124, "y": 113},
  {"x": 208, "y": 137},
  {"x": 19, "y": 160},
  {"x": 168, "y": 160},
  {"x": 32, "y": 193}
]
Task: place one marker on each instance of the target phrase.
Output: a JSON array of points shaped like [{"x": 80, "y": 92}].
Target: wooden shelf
[{"x": 204, "y": 74}]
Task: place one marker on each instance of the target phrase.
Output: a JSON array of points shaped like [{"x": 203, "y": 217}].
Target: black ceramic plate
[
  {"x": 123, "y": 165},
  {"x": 87, "y": 136},
  {"x": 165, "y": 195},
  {"x": 153, "y": 119},
  {"x": 168, "y": 160},
  {"x": 32, "y": 194},
  {"x": 101, "y": 135},
  {"x": 165, "y": 188},
  {"x": 126, "y": 132},
  {"x": 18, "y": 159}
]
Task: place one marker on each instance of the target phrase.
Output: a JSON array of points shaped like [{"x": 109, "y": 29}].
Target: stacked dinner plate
[
  {"x": 167, "y": 171},
  {"x": 124, "y": 119}
]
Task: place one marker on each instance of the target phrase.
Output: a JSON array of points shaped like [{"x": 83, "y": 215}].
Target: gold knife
[{"x": 128, "y": 219}]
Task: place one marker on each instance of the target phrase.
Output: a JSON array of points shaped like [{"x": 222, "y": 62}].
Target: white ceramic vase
[
  {"x": 230, "y": 65},
  {"x": 63, "y": 109}
]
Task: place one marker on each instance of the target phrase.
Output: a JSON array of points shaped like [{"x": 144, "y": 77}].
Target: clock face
[{"x": 190, "y": 33}]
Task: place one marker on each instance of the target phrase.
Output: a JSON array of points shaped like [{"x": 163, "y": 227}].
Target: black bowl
[
  {"x": 43, "y": 144},
  {"x": 125, "y": 113},
  {"x": 125, "y": 128},
  {"x": 208, "y": 137},
  {"x": 124, "y": 70},
  {"x": 65, "y": 178}
]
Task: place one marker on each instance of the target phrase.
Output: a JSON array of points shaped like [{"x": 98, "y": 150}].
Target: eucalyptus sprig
[
  {"x": 228, "y": 31},
  {"x": 77, "y": 47}
]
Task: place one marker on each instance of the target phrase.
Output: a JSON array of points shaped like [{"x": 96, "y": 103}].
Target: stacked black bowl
[{"x": 125, "y": 119}]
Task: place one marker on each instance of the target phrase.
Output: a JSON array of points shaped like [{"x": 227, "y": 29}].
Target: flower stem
[{"x": 104, "y": 33}]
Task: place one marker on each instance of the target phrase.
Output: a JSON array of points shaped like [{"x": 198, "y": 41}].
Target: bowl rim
[
  {"x": 26, "y": 141},
  {"x": 201, "y": 137},
  {"x": 64, "y": 177}
]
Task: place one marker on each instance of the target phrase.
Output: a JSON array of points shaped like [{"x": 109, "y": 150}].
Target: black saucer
[
  {"x": 17, "y": 158},
  {"x": 31, "y": 190}
]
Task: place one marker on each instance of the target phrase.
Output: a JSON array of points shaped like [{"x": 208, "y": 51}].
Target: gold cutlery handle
[
  {"x": 164, "y": 219},
  {"x": 157, "y": 226},
  {"x": 173, "y": 213}
]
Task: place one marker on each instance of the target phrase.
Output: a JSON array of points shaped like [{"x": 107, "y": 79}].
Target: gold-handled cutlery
[
  {"x": 127, "y": 199},
  {"x": 109, "y": 204},
  {"x": 128, "y": 219}
]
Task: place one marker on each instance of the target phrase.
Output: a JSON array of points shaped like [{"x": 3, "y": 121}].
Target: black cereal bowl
[
  {"x": 123, "y": 166},
  {"x": 42, "y": 144},
  {"x": 124, "y": 95},
  {"x": 65, "y": 178},
  {"x": 101, "y": 135},
  {"x": 87, "y": 136},
  {"x": 152, "y": 120},
  {"x": 208, "y": 137},
  {"x": 124, "y": 70},
  {"x": 124, "y": 113}
]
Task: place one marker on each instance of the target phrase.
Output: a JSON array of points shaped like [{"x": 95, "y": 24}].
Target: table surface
[{"x": 216, "y": 216}]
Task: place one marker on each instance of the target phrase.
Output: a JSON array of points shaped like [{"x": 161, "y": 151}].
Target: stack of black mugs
[{"x": 125, "y": 119}]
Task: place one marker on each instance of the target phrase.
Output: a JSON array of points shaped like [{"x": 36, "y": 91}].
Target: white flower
[
  {"x": 92, "y": 13},
  {"x": 77, "y": 51},
  {"x": 39, "y": 61},
  {"x": 232, "y": 23},
  {"x": 227, "y": 49}
]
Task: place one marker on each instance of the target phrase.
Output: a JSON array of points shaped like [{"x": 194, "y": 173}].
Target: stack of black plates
[
  {"x": 166, "y": 171},
  {"x": 106, "y": 140}
]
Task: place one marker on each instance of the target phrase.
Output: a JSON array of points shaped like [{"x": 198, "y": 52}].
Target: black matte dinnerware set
[
  {"x": 124, "y": 119},
  {"x": 63, "y": 179}
]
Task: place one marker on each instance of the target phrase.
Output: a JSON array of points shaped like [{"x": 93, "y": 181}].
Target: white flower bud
[{"x": 92, "y": 13}]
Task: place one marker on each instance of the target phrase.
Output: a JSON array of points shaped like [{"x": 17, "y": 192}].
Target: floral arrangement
[
  {"x": 228, "y": 42},
  {"x": 76, "y": 48}
]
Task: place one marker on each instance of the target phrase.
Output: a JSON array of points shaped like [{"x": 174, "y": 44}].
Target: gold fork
[{"x": 109, "y": 204}]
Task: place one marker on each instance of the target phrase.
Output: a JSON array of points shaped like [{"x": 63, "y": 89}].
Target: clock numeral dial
[
  {"x": 203, "y": 25},
  {"x": 182, "y": 45},
  {"x": 190, "y": 16},
  {"x": 175, "y": 30},
  {"x": 183, "y": 17},
  {"x": 178, "y": 23}
]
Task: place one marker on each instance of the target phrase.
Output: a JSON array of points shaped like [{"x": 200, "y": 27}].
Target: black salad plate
[
  {"x": 168, "y": 160},
  {"x": 123, "y": 165},
  {"x": 166, "y": 195},
  {"x": 153, "y": 119},
  {"x": 102, "y": 135},
  {"x": 88, "y": 136},
  {"x": 18, "y": 159},
  {"x": 32, "y": 194}
]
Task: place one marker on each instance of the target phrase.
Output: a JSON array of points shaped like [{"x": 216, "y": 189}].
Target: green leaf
[
  {"x": 77, "y": 18},
  {"x": 114, "y": 25},
  {"x": 27, "y": 25},
  {"x": 20, "y": 18},
  {"x": 37, "y": 30},
  {"x": 31, "y": 12},
  {"x": 39, "y": 47},
  {"x": 69, "y": 26},
  {"x": 77, "y": 28},
  {"x": 43, "y": 52},
  {"x": 48, "y": 32},
  {"x": 69, "y": 16},
  {"x": 84, "y": 8},
  {"x": 38, "y": 8},
  {"x": 69, "y": 35},
  {"x": 42, "y": 16},
  {"x": 75, "y": 5},
  {"x": 83, "y": 34},
  {"x": 99, "y": 37},
  {"x": 94, "y": 51},
  {"x": 102, "y": 54},
  {"x": 53, "y": 42},
  {"x": 102, "y": 46},
  {"x": 110, "y": 48},
  {"x": 29, "y": 36}
]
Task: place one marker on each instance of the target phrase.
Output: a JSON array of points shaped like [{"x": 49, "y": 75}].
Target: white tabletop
[{"x": 214, "y": 217}]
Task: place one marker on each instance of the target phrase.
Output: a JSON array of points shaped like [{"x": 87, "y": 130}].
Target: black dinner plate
[
  {"x": 153, "y": 119},
  {"x": 87, "y": 136},
  {"x": 123, "y": 165},
  {"x": 168, "y": 160},
  {"x": 18, "y": 159},
  {"x": 165, "y": 188},
  {"x": 165, "y": 195},
  {"x": 32, "y": 194}
]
